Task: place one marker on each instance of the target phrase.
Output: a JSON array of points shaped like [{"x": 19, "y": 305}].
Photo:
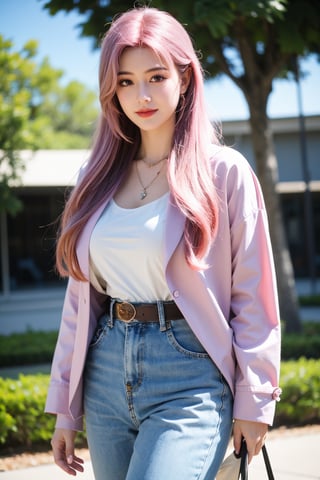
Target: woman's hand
[
  {"x": 63, "y": 451},
  {"x": 254, "y": 434}
]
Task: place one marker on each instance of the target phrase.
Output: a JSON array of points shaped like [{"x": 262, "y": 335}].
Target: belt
[{"x": 144, "y": 312}]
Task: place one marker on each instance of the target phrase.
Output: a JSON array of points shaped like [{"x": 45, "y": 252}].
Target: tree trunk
[{"x": 267, "y": 171}]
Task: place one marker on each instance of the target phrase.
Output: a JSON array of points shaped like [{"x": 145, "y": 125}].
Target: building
[{"x": 28, "y": 240}]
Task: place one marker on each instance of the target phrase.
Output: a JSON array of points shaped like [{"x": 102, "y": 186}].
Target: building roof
[
  {"x": 278, "y": 125},
  {"x": 52, "y": 168}
]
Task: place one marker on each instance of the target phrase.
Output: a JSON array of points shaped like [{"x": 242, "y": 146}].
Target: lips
[{"x": 146, "y": 113}]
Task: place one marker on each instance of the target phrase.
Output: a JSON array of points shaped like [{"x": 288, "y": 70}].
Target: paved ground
[{"x": 294, "y": 456}]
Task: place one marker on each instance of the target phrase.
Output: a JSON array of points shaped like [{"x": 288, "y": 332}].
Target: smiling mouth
[{"x": 146, "y": 113}]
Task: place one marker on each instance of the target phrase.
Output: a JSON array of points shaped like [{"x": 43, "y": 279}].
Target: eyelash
[{"x": 125, "y": 82}]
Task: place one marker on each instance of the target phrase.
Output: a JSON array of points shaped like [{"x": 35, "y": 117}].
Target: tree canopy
[{"x": 36, "y": 111}]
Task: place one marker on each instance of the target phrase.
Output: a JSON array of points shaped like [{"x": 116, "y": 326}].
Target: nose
[{"x": 144, "y": 95}]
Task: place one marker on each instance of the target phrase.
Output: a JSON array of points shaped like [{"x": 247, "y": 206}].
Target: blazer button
[{"x": 176, "y": 294}]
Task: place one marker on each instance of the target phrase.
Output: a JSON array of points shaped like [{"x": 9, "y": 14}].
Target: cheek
[
  {"x": 174, "y": 94},
  {"x": 123, "y": 98},
  {"x": 173, "y": 99}
]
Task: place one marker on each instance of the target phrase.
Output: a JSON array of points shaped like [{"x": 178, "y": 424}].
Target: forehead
[{"x": 136, "y": 58}]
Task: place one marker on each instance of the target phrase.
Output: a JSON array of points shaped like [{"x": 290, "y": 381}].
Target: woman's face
[{"x": 148, "y": 89}]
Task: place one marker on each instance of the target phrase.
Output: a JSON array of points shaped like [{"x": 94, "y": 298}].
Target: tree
[
  {"x": 65, "y": 117},
  {"x": 252, "y": 42},
  {"x": 37, "y": 112}
]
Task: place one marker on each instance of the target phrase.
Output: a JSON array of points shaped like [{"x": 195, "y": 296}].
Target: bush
[
  {"x": 300, "y": 400},
  {"x": 22, "y": 421},
  {"x": 31, "y": 347},
  {"x": 294, "y": 346},
  {"x": 34, "y": 347},
  {"x": 305, "y": 344},
  {"x": 310, "y": 300},
  {"x": 22, "y": 418}
]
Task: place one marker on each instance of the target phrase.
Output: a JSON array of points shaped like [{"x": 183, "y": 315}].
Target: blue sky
[{"x": 59, "y": 40}]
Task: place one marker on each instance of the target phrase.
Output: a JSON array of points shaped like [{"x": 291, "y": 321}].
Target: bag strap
[
  {"x": 267, "y": 463},
  {"x": 243, "y": 474}
]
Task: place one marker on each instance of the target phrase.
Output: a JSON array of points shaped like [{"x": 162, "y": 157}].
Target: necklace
[
  {"x": 144, "y": 192},
  {"x": 153, "y": 164}
]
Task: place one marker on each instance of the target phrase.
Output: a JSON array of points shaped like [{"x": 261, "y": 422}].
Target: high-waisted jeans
[{"x": 156, "y": 406}]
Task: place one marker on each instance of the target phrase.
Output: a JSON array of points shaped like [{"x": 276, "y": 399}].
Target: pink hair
[{"x": 117, "y": 140}]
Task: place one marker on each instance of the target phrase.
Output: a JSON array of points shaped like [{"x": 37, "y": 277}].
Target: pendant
[{"x": 143, "y": 194}]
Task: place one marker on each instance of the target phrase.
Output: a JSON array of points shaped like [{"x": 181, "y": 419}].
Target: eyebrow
[{"x": 150, "y": 70}]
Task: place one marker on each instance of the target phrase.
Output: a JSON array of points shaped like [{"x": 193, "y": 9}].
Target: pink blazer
[{"x": 232, "y": 306}]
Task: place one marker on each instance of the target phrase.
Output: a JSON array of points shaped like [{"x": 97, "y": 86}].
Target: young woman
[{"x": 170, "y": 329}]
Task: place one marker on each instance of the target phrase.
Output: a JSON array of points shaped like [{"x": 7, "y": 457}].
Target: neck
[{"x": 154, "y": 147}]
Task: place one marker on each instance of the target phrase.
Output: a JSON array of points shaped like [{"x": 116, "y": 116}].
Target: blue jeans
[{"x": 156, "y": 406}]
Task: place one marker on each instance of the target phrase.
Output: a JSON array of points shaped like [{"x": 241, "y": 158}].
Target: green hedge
[
  {"x": 305, "y": 344},
  {"x": 34, "y": 347},
  {"x": 23, "y": 423},
  {"x": 22, "y": 418},
  {"x": 295, "y": 346},
  {"x": 28, "y": 348},
  {"x": 310, "y": 300},
  {"x": 21, "y": 411},
  {"x": 300, "y": 400}
]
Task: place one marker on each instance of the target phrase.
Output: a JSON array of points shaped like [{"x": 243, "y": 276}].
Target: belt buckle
[{"x": 126, "y": 311}]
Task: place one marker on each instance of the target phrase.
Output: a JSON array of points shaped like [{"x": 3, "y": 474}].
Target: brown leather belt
[{"x": 143, "y": 312}]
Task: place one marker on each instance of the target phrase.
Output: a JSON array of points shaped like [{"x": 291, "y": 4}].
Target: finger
[
  {"x": 78, "y": 459},
  {"x": 69, "y": 450},
  {"x": 250, "y": 456},
  {"x": 69, "y": 467},
  {"x": 72, "y": 468},
  {"x": 237, "y": 441},
  {"x": 60, "y": 462},
  {"x": 259, "y": 444},
  {"x": 253, "y": 447},
  {"x": 76, "y": 464}
]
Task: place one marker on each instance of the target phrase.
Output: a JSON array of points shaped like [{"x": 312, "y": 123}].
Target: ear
[{"x": 185, "y": 80}]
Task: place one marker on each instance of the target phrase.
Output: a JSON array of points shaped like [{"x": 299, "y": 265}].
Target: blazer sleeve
[
  {"x": 58, "y": 393},
  {"x": 254, "y": 301}
]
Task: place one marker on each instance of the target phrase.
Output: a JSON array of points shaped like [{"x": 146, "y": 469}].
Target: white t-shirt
[{"x": 126, "y": 252}]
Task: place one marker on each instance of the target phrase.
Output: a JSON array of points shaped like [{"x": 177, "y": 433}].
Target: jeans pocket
[
  {"x": 182, "y": 338},
  {"x": 99, "y": 334}
]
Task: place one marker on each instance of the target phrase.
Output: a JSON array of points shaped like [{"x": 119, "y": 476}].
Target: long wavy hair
[{"x": 117, "y": 140}]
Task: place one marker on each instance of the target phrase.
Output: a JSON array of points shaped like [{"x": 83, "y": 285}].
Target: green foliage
[
  {"x": 17, "y": 82},
  {"x": 35, "y": 347},
  {"x": 37, "y": 112},
  {"x": 305, "y": 344},
  {"x": 310, "y": 300},
  {"x": 297, "y": 345},
  {"x": 27, "y": 348},
  {"x": 66, "y": 117},
  {"x": 22, "y": 418},
  {"x": 300, "y": 400}
]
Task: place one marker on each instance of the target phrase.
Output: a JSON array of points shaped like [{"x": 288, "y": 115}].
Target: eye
[
  {"x": 157, "y": 78},
  {"x": 125, "y": 82}
]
